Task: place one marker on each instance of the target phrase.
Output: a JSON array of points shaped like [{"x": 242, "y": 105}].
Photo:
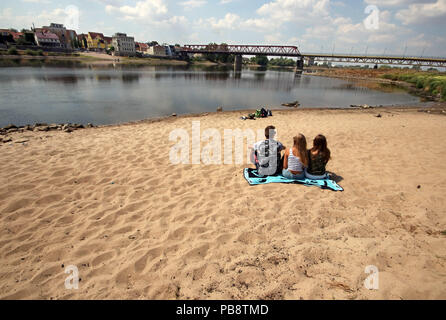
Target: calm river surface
[{"x": 112, "y": 95}]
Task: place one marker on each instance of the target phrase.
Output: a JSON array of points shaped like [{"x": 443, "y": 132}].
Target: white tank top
[{"x": 294, "y": 163}]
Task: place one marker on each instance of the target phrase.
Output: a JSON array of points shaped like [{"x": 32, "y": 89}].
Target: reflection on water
[{"x": 104, "y": 95}]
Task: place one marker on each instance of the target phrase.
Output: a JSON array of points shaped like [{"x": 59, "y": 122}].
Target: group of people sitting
[{"x": 298, "y": 162}]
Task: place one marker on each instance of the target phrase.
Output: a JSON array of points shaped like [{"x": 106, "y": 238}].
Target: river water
[{"x": 107, "y": 95}]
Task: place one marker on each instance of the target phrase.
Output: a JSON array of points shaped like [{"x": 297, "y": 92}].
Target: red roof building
[
  {"x": 141, "y": 47},
  {"x": 16, "y": 35},
  {"x": 108, "y": 41},
  {"x": 47, "y": 39}
]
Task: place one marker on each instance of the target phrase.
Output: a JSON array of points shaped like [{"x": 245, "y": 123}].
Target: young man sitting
[{"x": 266, "y": 154}]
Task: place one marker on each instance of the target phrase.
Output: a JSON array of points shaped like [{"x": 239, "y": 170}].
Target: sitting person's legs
[
  {"x": 287, "y": 174},
  {"x": 315, "y": 177}
]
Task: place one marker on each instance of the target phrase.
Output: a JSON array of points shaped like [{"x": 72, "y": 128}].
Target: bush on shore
[
  {"x": 432, "y": 84},
  {"x": 30, "y": 52},
  {"x": 13, "y": 51},
  {"x": 285, "y": 62}
]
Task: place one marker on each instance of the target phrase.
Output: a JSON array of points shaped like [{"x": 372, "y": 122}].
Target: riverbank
[
  {"x": 80, "y": 59},
  {"x": 429, "y": 85},
  {"x": 109, "y": 201}
]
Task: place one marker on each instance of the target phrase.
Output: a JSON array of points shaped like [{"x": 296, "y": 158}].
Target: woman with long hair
[
  {"x": 296, "y": 159},
  {"x": 318, "y": 157}
]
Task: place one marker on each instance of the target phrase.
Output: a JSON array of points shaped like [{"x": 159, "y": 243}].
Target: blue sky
[{"x": 412, "y": 26}]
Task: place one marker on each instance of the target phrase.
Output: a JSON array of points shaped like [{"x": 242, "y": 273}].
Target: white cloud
[
  {"x": 37, "y": 1},
  {"x": 396, "y": 3},
  {"x": 19, "y": 21},
  {"x": 55, "y": 15},
  {"x": 275, "y": 38},
  {"x": 177, "y": 20},
  {"x": 290, "y": 10},
  {"x": 322, "y": 32},
  {"x": 346, "y": 35},
  {"x": 419, "y": 13},
  {"x": 232, "y": 21},
  {"x": 192, "y": 4},
  {"x": 142, "y": 9}
]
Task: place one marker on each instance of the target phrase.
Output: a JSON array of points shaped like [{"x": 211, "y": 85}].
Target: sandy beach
[{"x": 109, "y": 201}]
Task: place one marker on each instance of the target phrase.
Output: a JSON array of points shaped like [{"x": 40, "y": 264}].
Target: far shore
[
  {"x": 376, "y": 79},
  {"x": 84, "y": 59}
]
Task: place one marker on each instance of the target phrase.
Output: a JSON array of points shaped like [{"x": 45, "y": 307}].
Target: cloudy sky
[{"x": 413, "y": 27}]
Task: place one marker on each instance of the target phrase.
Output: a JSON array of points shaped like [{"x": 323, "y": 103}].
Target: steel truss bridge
[
  {"x": 293, "y": 51},
  {"x": 284, "y": 51},
  {"x": 372, "y": 59}
]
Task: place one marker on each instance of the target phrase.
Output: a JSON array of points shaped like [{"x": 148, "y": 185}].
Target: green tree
[
  {"x": 6, "y": 39},
  {"x": 30, "y": 52},
  {"x": 21, "y": 41},
  {"x": 262, "y": 60},
  {"x": 285, "y": 62},
  {"x": 211, "y": 56},
  {"x": 220, "y": 56},
  {"x": 29, "y": 37},
  {"x": 13, "y": 51}
]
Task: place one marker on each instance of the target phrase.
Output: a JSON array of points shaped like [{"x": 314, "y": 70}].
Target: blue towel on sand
[{"x": 254, "y": 179}]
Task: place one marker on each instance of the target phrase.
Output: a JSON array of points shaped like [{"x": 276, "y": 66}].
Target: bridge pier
[
  {"x": 238, "y": 63},
  {"x": 309, "y": 61},
  {"x": 299, "y": 66}
]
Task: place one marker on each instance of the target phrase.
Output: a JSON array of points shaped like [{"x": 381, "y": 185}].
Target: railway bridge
[{"x": 292, "y": 51}]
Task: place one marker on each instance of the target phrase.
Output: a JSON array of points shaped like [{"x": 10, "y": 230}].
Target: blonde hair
[{"x": 300, "y": 142}]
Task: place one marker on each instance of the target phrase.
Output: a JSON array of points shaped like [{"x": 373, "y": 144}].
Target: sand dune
[{"x": 109, "y": 201}]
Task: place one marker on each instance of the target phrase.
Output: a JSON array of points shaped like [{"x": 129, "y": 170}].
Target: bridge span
[
  {"x": 375, "y": 59},
  {"x": 285, "y": 51},
  {"x": 293, "y": 51}
]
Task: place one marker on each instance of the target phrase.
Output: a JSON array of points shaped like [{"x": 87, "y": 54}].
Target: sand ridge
[{"x": 109, "y": 201}]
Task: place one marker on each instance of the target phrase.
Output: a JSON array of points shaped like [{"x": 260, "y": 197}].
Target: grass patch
[
  {"x": 13, "y": 51},
  {"x": 30, "y": 52},
  {"x": 443, "y": 232},
  {"x": 429, "y": 83}
]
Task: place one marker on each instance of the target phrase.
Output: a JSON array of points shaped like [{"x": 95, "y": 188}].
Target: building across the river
[
  {"x": 47, "y": 39},
  {"x": 95, "y": 41},
  {"x": 123, "y": 44},
  {"x": 157, "y": 50},
  {"x": 66, "y": 37}
]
